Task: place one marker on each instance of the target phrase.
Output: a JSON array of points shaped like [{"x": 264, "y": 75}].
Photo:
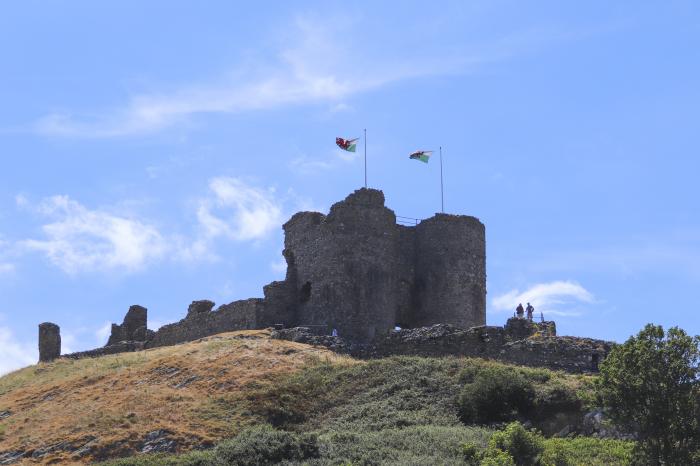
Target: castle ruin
[{"x": 355, "y": 275}]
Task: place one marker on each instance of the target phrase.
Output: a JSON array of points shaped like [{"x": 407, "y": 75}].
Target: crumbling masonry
[{"x": 354, "y": 272}]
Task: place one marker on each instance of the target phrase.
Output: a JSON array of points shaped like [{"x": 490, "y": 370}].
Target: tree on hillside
[{"x": 651, "y": 385}]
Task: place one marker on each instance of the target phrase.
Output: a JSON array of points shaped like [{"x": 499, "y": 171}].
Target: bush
[
  {"x": 525, "y": 447},
  {"x": 472, "y": 453},
  {"x": 496, "y": 394},
  {"x": 497, "y": 458},
  {"x": 413, "y": 445},
  {"x": 265, "y": 445},
  {"x": 586, "y": 451}
]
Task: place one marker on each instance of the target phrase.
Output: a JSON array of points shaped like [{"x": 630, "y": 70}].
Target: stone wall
[
  {"x": 537, "y": 349},
  {"x": 121, "y": 347},
  {"x": 239, "y": 315}
]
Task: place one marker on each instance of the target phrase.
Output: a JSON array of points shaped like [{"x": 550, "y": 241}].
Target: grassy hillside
[
  {"x": 279, "y": 400},
  {"x": 109, "y": 405}
]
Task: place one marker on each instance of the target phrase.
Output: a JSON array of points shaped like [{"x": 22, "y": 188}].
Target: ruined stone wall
[
  {"x": 569, "y": 354},
  {"x": 239, "y": 315},
  {"x": 121, "y": 347},
  {"x": 537, "y": 349},
  {"x": 49, "y": 341},
  {"x": 133, "y": 328},
  {"x": 450, "y": 271}
]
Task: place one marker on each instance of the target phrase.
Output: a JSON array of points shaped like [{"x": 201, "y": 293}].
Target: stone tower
[
  {"x": 344, "y": 266},
  {"x": 355, "y": 270},
  {"x": 49, "y": 342},
  {"x": 450, "y": 271}
]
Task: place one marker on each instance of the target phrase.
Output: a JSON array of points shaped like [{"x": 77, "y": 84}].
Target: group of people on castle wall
[{"x": 530, "y": 309}]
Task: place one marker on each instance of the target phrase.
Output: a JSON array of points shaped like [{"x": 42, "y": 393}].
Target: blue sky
[{"x": 151, "y": 150}]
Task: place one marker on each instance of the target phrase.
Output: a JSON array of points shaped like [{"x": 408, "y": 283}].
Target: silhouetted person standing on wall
[
  {"x": 519, "y": 310},
  {"x": 530, "y": 310}
]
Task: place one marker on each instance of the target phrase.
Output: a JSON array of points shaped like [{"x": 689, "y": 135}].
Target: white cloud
[
  {"x": 556, "y": 298},
  {"x": 103, "y": 333},
  {"x": 13, "y": 353},
  {"x": 81, "y": 239},
  {"x": 238, "y": 210},
  {"x": 279, "y": 267},
  {"x": 318, "y": 63}
]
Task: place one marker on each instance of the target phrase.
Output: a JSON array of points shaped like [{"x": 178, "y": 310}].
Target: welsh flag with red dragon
[{"x": 347, "y": 144}]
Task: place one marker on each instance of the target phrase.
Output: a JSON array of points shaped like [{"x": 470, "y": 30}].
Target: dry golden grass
[{"x": 195, "y": 390}]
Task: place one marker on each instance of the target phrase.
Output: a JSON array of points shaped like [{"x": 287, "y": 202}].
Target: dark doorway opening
[
  {"x": 305, "y": 292},
  {"x": 595, "y": 359}
]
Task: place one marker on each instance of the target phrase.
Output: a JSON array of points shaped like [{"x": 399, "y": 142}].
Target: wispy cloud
[
  {"x": 238, "y": 210},
  {"x": 79, "y": 239},
  {"x": 317, "y": 64},
  {"x": 555, "y": 298},
  {"x": 103, "y": 333},
  {"x": 235, "y": 210},
  {"x": 13, "y": 353}
]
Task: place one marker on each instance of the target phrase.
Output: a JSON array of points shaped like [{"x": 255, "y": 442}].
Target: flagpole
[
  {"x": 365, "y": 157},
  {"x": 442, "y": 189}
]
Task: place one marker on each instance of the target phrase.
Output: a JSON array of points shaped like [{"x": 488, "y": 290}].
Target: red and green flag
[
  {"x": 422, "y": 155},
  {"x": 347, "y": 144}
]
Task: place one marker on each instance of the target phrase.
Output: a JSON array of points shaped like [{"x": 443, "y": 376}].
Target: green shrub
[
  {"x": 265, "y": 445},
  {"x": 524, "y": 446},
  {"x": 497, "y": 458},
  {"x": 413, "y": 445},
  {"x": 497, "y": 394},
  {"x": 379, "y": 394},
  {"x": 472, "y": 453},
  {"x": 586, "y": 451}
]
